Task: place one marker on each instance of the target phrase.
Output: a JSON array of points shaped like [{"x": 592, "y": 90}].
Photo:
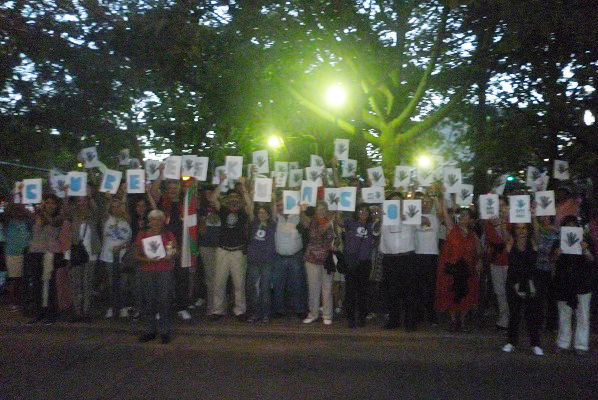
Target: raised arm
[
  {"x": 154, "y": 193},
  {"x": 248, "y": 198},
  {"x": 334, "y": 164},
  {"x": 214, "y": 197}
]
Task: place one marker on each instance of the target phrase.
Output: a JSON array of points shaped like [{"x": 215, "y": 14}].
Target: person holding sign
[
  {"x": 319, "y": 280},
  {"x": 572, "y": 286},
  {"x": 156, "y": 277},
  {"x": 521, "y": 286},
  {"x": 547, "y": 234},
  {"x": 457, "y": 278},
  {"x": 17, "y": 233}
]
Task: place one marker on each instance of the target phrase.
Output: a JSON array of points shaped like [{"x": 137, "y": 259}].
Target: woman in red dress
[{"x": 457, "y": 277}]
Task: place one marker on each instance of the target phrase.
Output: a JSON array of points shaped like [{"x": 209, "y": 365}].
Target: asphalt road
[{"x": 281, "y": 360}]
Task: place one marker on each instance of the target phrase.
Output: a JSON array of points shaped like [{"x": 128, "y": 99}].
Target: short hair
[{"x": 156, "y": 214}]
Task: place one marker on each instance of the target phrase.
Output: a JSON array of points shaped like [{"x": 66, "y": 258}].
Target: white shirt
[
  {"x": 397, "y": 239},
  {"x": 426, "y": 237},
  {"x": 116, "y": 232},
  {"x": 287, "y": 238},
  {"x": 84, "y": 229}
]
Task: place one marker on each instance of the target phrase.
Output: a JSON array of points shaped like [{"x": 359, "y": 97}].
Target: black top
[
  {"x": 233, "y": 229},
  {"x": 521, "y": 267}
]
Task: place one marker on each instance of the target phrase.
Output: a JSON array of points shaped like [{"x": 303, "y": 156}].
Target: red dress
[{"x": 456, "y": 247}]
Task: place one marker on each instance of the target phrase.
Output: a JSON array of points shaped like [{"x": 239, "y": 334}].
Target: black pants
[
  {"x": 181, "y": 278},
  {"x": 33, "y": 280},
  {"x": 532, "y": 312},
  {"x": 400, "y": 284},
  {"x": 427, "y": 264},
  {"x": 356, "y": 291},
  {"x": 548, "y": 308}
]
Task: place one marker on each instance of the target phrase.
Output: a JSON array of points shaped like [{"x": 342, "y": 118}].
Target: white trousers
[
  {"x": 582, "y": 323},
  {"x": 319, "y": 284},
  {"x": 208, "y": 257},
  {"x": 231, "y": 263},
  {"x": 499, "y": 282}
]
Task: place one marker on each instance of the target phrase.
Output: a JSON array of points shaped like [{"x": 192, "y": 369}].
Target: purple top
[
  {"x": 261, "y": 247},
  {"x": 359, "y": 239}
]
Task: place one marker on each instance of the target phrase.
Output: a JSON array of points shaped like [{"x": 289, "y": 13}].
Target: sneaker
[
  {"x": 241, "y": 317},
  {"x": 216, "y": 317},
  {"x": 309, "y": 320},
  {"x": 165, "y": 339},
  {"x": 537, "y": 351},
  {"x": 191, "y": 307},
  {"x": 136, "y": 315},
  {"x": 109, "y": 313},
  {"x": 124, "y": 313},
  {"x": 338, "y": 310},
  {"x": 146, "y": 337},
  {"x": 253, "y": 319},
  {"x": 184, "y": 315},
  {"x": 200, "y": 302},
  {"x": 265, "y": 320},
  {"x": 14, "y": 308},
  {"x": 327, "y": 322},
  {"x": 508, "y": 348}
]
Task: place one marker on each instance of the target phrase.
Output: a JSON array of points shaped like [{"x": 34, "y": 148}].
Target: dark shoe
[
  {"x": 164, "y": 339},
  {"x": 360, "y": 322},
  {"x": 391, "y": 325},
  {"x": 147, "y": 337},
  {"x": 278, "y": 315},
  {"x": 216, "y": 317},
  {"x": 351, "y": 324},
  {"x": 36, "y": 320},
  {"x": 500, "y": 328},
  {"x": 49, "y": 320},
  {"x": 301, "y": 315},
  {"x": 241, "y": 317},
  {"x": 253, "y": 319}
]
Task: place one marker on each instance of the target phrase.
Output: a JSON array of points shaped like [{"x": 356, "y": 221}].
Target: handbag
[
  {"x": 79, "y": 255},
  {"x": 128, "y": 262}
]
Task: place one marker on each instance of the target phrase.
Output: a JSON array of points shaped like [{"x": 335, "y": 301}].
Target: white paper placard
[
  {"x": 153, "y": 247},
  {"x": 331, "y": 198},
  {"x": 90, "y": 157},
  {"x": 541, "y": 184},
  {"x": 281, "y": 166},
  {"x": 349, "y": 168},
  {"x": 281, "y": 179},
  {"x": 489, "y": 206},
  {"x": 57, "y": 183},
  {"x": 532, "y": 175},
  {"x": 341, "y": 149},
  {"x": 316, "y": 161},
  {"x": 425, "y": 177},
  {"x": 347, "y": 198},
  {"x": 216, "y": 177},
  {"x": 172, "y": 167},
  {"x": 290, "y": 202},
  {"x": 465, "y": 195},
  {"x": 500, "y": 184},
  {"x": 152, "y": 171},
  {"x": 314, "y": 174},
  {"x": 561, "y": 170},
  {"x": 571, "y": 238},
  {"x": 32, "y": 191},
  {"x": 545, "y": 205},
  {"x": 111, "y": 181},
  {"x": 452, "y": 179},
  {"x": 135, "y": 181},
  {"x": 402, "y": 176},
  {"x": 519, "y": 209},
  {"x": 392, "y": 212},
  {"x": 295, "y": 177},
  {"x": 330, "y": 177},
  {"x": 260, "y": 160},
  {"x": 412, "y": 212},
  {"x": 293, "y": 165},
  {"x": 262, "y": 190},
  {"x": 234, "y": 167},
  {"x": 17, "y": 194},
  {"x": 123, "y": 157},
  {"x": 134, "y": 163},
  {"x": 200, "y": 168},
  {"x": 372, "y": 195},
  {"x": 77, "y": 182},
  {"x": 376, "y": 176},
  {"x": 309, "y": 193},
  {"x": 187, "y": 162}
]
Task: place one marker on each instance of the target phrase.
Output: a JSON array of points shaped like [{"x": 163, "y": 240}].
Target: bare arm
[
  {"x": 248, "y": 199},
  {"x": 305, "y": 220},
  {"x": 334, "y": 163},
  {"x": 214, "y": 197},
  {"x": 154, "y": 193}
]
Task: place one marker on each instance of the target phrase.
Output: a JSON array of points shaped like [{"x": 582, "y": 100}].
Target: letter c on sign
[
  {"x": 30, "y": 191},
  {"x": 393, "y": 211},
  {"x": 345, "y": 199}
]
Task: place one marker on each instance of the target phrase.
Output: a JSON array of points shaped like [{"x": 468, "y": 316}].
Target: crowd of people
[{"x": 258, "y": 263}]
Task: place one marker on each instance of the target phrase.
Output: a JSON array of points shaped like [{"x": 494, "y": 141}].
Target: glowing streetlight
[
  {"x": 336, "y": 95},
  {"x": 274, "y": 142},
  {"x": 424, "y": 161}
]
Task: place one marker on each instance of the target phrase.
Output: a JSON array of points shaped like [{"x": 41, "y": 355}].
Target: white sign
[
  {"x": 561, "y": 170},
  {"x": 452, "y": 179},
  {"x": 187, "y": 162},
  {"x": 281, "y": 179},
  {"x": 123, "y": 157},
  {"x": 262, "y": 191},
  {"x": 153, "y": 247},
  {"x": 172, "y": 167},
  {"x": 314, "y": 174},
  {"x": 533, "y": 174},
  {"x": 200, "y": 168},
  {"x": 412, "y": 212},
  {"x": 465, "y": 195},
  {"x": 571, "y": 238},
  {"x": 376, "y": 176},
  {"x": 541, "y": 183},
  {"x": 281, "y": 166},
  {"x": 290, "y": 202},
  {"x": 392, "y": 212},
  {"x": 347, "y": 198},
  {"x": 316, "y": 161},
  {"x": 341, "y": 149},
  {"x": 57, "y": 182},
  {"x": 32, "y": 191},
  {"x": 519, "y": 209},
  {"x": 134, "y": 163},
  {"x": 77, "y": 182},
  {"x": 17, "y": 193},
  {"x": 489, "y": 206},
  {"x": 425, "y": 177},
  {"x": 216, "y": 177},
  {"x": 349, "y": 168},
  {"x": 260, "y": 159},
  {"x": 293, "y": 165},
  {"x": 135, "y": 181},
  {"x": 545, "y": 205},
  {"x": 309, "y": 193},
  {"x": 234, "y": 167},
  {"x": 402, "y": 176},
  {"x": 111, "y": 181},
  {"x": 330, "y": 177},
  {"x": 372, "y": 195},
  {"x": 152, "y": 171},
  {"x": 90, "y": 157},
  {"x": 331, "y": 198},
  {"x": 295, "y": 177}
]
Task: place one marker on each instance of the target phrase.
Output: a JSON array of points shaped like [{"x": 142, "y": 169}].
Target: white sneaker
[
  {"x": 508, "y": 348},
  {"x": 338, "y": 310},
  {"x": 184, "y": 315},
  {"x": 109, "y": 313},
  {"x": 537, "y": 351},
  {"x": 124, "y": 312},
  {"x": 327, "y": 322},
  {"x": 309, "y": 320},
  {"x": 200, "y": 302}
]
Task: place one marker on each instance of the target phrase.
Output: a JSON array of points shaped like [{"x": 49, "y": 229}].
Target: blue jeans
[
  {"x": 259, "y": 281},
  {"x": 289, "y": 270}
]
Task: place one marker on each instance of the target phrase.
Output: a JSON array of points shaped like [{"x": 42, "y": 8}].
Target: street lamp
[
  {"x": 274, "y": 142},
  {"x": 336, "y": 95},
  {"x": 424, "y": 161}
]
